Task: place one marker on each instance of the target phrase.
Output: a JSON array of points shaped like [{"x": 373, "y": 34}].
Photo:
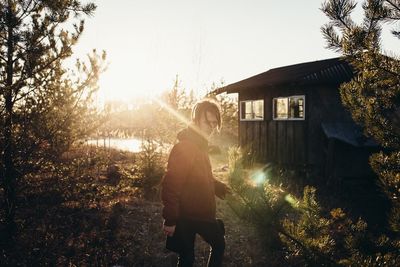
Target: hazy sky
[{"x": 149, "y": 42}]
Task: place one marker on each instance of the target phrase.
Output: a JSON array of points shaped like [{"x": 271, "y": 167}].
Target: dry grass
[{"x": 70, "y": 217}]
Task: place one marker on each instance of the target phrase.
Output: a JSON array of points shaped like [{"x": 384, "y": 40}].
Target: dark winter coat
[{"x": 189, "y": 188}]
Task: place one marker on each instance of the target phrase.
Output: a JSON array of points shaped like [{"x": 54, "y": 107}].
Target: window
[
  {"x": 252, "y": 110},
  {"x": 289, "y": 108}
]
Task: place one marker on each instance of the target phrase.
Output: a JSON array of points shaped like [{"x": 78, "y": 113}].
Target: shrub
[{"x": 151, "y": 167}]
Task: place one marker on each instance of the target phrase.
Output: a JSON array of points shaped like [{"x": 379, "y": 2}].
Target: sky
[{"x": 149, "y": 42}]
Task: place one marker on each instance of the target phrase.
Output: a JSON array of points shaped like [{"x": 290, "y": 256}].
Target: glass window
[
  {"x": 252, "y": 110},
  {"x": 289, "y": 108},
  {"x": 281, "y": 108},
  {"x": 248, "y": 110}
]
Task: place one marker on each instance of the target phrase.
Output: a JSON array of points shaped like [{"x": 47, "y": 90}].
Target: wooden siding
[
  {"x": 275, "y": 141},
  {"x": 295, "y": 142}
]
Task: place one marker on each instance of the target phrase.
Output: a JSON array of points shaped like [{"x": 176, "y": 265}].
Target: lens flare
[
  {"x": 291, "y": 200},
  {"x": 258, "y": 178}
]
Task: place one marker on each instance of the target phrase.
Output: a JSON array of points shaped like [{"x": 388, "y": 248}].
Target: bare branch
[{"x": 25, "y": 13}]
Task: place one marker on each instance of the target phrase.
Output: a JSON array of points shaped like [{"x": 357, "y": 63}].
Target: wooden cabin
[{"x": 293, "y": 116}]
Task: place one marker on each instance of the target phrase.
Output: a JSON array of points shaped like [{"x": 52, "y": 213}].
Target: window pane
[
  {"x": 281, "y": 108},
  {"x": 252, "y": 110},
  {"x": 242, "y": 110},
  {"x": 246, "y": 110},
  {"x": 296, "y": 107},
  {"x": 249, "y": 113},
  {"x": 258, "y": 109}
]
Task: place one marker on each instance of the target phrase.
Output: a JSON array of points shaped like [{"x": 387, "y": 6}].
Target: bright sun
[{"x": 116, "y": 84}]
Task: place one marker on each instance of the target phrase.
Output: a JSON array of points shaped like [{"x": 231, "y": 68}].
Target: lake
[{"x": 130, "y": 144}]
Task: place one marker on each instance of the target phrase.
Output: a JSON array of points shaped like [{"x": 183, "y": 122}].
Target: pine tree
[
  {"x": 284, "y": 222},
  {"x": 42, "y": 103},
  {"x": 373, "y": 95}
]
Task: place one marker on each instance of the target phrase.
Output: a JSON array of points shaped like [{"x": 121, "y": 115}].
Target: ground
[{"x": 89, "y": 211}]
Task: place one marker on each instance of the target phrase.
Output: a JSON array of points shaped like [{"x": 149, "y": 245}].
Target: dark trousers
[{"x": 212, "y": 232}]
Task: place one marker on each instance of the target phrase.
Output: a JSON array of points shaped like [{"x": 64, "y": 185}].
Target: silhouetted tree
[{"x": 43, "y": 104}]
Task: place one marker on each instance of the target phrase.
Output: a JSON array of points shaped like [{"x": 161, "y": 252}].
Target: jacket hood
[{"x": 191, "y": 135}]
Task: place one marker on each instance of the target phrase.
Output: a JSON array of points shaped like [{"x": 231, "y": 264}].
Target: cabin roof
[
  {"x": 328, "y": 71},
  {"x": 349, "y": 133}
]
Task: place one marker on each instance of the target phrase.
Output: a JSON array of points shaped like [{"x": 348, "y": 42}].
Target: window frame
[
  {"x": 252, "y": 100},
  {"x": 289, "y": 119}
]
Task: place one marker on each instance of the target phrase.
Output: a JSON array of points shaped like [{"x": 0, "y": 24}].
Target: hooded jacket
[{"x": 188, "y": 187}]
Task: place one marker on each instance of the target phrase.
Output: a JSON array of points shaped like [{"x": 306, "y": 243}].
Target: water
[{"x": 130, "y": 144}]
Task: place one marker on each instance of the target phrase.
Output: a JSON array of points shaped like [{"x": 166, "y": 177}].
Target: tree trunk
[{"x": 9, "y": 169}]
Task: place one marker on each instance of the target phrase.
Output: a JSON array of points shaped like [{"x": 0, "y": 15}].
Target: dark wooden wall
[
  {"x": 292, "y": 142},
  {"x": 345, "y": 162}
]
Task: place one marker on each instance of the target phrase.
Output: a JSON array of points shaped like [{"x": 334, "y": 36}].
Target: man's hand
[{"x": 169, "y": 230}]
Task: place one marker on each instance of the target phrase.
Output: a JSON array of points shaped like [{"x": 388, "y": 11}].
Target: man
[{"x": 189, "y": 189}]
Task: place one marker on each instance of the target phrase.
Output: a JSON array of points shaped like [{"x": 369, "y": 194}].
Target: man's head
[{"x": 206, "y": 116}]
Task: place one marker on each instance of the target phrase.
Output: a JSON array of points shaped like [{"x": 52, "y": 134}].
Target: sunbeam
[{"x": 180, "y": 117}]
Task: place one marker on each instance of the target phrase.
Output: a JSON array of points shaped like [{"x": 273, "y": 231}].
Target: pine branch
[
  {"x": 338, "y": 11},
  {"x": 380, "y": 67},
  {"x": 372, "y": 19},
  {"x": 50, "y": 133},
  {"x": 280, "y": 230},
  {"x": 334, "y": 42},
  {"x": 19, "y": 84},
  {"x": 25, "y": 13},
  {"x": 309, "y": 251},
  {"x": 393, "y": 5}
]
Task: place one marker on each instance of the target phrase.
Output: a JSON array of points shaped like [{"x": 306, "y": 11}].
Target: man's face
[{"x": 208, "y": 123}]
